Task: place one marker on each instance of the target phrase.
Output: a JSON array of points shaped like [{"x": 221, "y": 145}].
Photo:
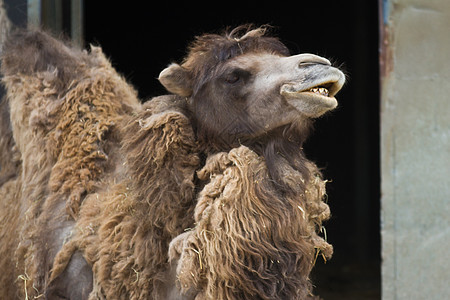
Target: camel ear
[{"x": 176, "y": 80}]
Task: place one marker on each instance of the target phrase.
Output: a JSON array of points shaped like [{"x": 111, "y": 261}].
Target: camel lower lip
[
  {"x": 309, "y": 103},
  {"x": 314, "y": 94},
  {"x": 324, "y": 100},
  {"x": 320, "y": 100}
]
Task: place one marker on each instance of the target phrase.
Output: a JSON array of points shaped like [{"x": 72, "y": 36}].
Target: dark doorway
[{"x": 141, "y": 39}]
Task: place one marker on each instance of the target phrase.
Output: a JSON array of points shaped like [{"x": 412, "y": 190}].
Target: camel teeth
[{"x": 322, "y": 91}]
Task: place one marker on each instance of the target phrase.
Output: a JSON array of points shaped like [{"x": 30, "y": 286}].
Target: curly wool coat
[
  {"x": 248, "y": 242},
  {"x": 64, "y": 107},
  {"x": 106, "y": 183}
]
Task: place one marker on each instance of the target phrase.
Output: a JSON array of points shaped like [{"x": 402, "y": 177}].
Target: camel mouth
[
  {"x": 315, "y": 98},
  {"x": 324, "y": 89},
  {"x": 318, "y": 97}
]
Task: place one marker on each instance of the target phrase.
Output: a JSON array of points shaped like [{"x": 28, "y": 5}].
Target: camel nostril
[
  {"x": 311, "y": 59},
  {"x": 306, "y": 63},
  {"x": 311, "y": 63}
]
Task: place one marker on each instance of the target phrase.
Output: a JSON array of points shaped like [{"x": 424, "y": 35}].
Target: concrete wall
[{"x": 415, "y": 148}]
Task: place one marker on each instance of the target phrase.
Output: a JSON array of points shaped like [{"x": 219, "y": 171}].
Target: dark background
[{"x": 142, "y": 38}]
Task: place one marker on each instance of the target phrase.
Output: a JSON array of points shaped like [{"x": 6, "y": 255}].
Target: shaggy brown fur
[
  {"x": 105, "y": 183},
  {"x": 64, "y": 125},
  {"x": 125, "y": 232},
  {"x": 248, "y": 242},
  {"x": 9, "y": 156},
  {"x": 9, "y": 192}
]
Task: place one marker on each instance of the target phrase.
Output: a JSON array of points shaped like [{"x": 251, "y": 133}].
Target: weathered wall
[{"x": 415, "y": 148}]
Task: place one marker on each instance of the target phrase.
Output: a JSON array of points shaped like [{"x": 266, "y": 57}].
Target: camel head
[{"x": 243, "y": 87}]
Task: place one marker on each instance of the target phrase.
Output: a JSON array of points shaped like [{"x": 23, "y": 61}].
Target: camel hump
[{"x": 27, "y": 52}]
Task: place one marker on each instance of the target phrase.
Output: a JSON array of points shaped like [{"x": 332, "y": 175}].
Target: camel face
[
  {"x": 278, "y": 89},
  {"x": 255, "y": 93},
  {"x": 242, "y": 88}
]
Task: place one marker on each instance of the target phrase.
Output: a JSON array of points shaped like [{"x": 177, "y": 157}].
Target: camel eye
[
  {"x": 236, "y": 75},
  {"x": 232, "y": 78}
]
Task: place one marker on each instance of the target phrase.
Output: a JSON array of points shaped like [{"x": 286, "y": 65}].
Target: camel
[{"x": 204, "y": 193}]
